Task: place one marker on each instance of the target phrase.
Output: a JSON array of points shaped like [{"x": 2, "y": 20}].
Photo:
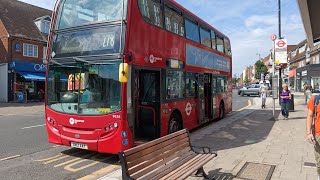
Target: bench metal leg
[{"x": 202, "y": 172}]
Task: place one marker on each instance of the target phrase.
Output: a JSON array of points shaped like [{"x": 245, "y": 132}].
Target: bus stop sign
[{"x": 280, "y": 51}]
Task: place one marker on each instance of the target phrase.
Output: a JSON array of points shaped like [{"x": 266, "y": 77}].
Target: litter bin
[{"x": 291, "y": 103}]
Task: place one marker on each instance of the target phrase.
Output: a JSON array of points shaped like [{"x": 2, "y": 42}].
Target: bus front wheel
[{"x": 174, "y": 123}]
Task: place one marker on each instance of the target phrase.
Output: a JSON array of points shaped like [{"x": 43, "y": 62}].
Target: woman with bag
[{"x": 285, "y": 100}]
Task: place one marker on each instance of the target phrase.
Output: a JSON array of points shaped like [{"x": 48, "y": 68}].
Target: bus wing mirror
[{"x": 123, "y": 72}]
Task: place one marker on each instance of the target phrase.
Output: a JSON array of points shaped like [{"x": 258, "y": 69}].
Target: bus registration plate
[{"x": 79, "y": 145}]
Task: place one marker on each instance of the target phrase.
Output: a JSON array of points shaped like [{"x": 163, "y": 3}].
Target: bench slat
[
  {"x": 170, "y": 167},
  {"x": 195, "y": 168},
  {"x": 156, "y": 168},
  {"x": 191, "y": 162},
  {"x": 186, "y": 169},
  {"x": 154, "y": 142},
  {"x": 152, "y": 150},
  {"x": 148, "y": 160}
]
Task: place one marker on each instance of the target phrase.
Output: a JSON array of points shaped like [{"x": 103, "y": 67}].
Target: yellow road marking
[
  {"x": 75, "y": 159},
  {"x": 49, "y": 158},
  {"x": 57, "y": 157},
  {"x": 103, "y": 171},
  {"x": 56, "y": 146},
  {"x": 10, "y": 157},
  {"x": 96, "y": 161}
]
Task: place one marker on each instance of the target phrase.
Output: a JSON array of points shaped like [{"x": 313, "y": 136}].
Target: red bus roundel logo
[{"x": 281, "y": 43}]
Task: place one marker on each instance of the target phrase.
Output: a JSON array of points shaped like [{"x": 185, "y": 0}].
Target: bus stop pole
[{"x": 273, "y": 83}]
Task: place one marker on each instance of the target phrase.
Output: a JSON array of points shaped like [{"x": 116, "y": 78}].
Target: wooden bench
[{"x": 169, "y": 157}]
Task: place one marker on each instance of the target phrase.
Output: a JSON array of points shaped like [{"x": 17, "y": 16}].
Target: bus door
[
  {"x": 207, "y": 95},
  {"x": 214, "y": 96},
  {"x": 201, "y": 100},
  {"x": 148, "y": 104}
]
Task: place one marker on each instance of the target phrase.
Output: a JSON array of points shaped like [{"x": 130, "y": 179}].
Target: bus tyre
[
  {"x": 174, "y": 123},
  {"x": 221, "y": 111}
]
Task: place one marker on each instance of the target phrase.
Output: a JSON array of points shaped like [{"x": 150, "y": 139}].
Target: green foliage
[
  {"x": 260, "y": 68},
  {"x": 235, "y": 80}
]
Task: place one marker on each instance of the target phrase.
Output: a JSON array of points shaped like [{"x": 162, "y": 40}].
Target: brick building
[
  {"x": 24, "y": 30},
  {"x": 304, "y": 66}
]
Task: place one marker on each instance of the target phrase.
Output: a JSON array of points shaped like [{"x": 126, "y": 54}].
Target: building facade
[
  {"x": 304, "y": 67},
  {"x": 24, "y": 29}
]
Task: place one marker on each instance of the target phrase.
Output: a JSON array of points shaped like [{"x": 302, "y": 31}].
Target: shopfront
[
  {"x": 27, "y": 78},
  {"x": 309, "y": 74},
  {"x": 292, "y": 79}
]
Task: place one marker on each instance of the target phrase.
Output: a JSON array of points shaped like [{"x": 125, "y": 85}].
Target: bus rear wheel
[{"x": 174, "y": 123}]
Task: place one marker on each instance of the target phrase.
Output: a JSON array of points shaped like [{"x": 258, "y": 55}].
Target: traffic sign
[
  {"x": 273, "y": 37},
  {"x": 280, "y": 51}
]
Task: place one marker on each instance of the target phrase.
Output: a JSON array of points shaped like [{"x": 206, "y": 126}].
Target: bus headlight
[
  {"x": 52, "y": 121},
  {"x": 111, "y": 127}
]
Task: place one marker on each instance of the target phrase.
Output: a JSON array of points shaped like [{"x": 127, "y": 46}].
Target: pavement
[{"x": 254, "y": 135}]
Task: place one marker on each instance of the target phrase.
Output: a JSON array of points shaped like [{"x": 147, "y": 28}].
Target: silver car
[{"x": 252, "y": 89}]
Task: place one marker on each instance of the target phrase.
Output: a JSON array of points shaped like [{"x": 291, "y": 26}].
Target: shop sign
[
  {"x": 27, "y": 66},
  {"x": 304, "y": 73},
  {"x": 17, "y": 47}
]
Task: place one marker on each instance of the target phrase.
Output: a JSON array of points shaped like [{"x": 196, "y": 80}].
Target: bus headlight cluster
[
  {"x": 111, "y": 126},
  {"x": 52, "y": 121}
]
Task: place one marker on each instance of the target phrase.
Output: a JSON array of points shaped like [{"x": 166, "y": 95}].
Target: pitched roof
[{"x": 18, "y": 18}]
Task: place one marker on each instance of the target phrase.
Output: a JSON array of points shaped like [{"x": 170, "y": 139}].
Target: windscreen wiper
[
  {"x": 76, "y": 59},
  {"x": 62, "y": 65}
]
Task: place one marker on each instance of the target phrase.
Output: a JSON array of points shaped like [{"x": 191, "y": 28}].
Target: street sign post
[{"x": 280, "y": 51}]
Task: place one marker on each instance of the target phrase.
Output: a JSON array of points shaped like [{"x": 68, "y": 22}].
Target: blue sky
[{"x": 248, "y": 23}]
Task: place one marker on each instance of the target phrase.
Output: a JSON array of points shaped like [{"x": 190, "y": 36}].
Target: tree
[
  {"x": 235, "y": 80},
  {"x": 261, "y": 68}
]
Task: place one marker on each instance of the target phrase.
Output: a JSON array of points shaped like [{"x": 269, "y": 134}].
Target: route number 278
[{"x": 108, "y": 41}]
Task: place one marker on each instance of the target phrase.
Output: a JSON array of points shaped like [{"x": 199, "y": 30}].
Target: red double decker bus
[{"x": 120, "y": 71}]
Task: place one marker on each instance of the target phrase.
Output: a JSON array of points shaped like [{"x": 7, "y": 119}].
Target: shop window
[
  {"x": 151, "y": 11},
  {"x": 316, "y": 82},
  {"x": 220, "y": 45},
  {"x": 222, "y": 84},
  {"x": 175, "y": 84},
  {"x": 205, "y": 37},
  {"x": 192, "y": 31},
  {"x": 174, "y": 21},
  {"x": 190, "y": 84},
  {"x": 302, "y": 49},
  {"x": 30, "y": 50},
  {"x": 45, "y": 52}
]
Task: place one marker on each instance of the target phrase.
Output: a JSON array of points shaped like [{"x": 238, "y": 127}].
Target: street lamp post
[{"x": 280, "y": 37}]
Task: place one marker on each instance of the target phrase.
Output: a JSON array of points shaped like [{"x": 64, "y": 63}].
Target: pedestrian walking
[
  {"x": 285, "y": 99},
  {"x": 307, "y": 92},
  {"x": 263, "y": 93},
  {"x": 313, "y": 128}
]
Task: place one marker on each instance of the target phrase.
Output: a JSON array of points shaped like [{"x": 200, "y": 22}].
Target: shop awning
[{"x": 33, "y": 76}]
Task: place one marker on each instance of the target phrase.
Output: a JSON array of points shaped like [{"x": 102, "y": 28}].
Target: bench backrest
[{"x": 155, "y": 158}]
